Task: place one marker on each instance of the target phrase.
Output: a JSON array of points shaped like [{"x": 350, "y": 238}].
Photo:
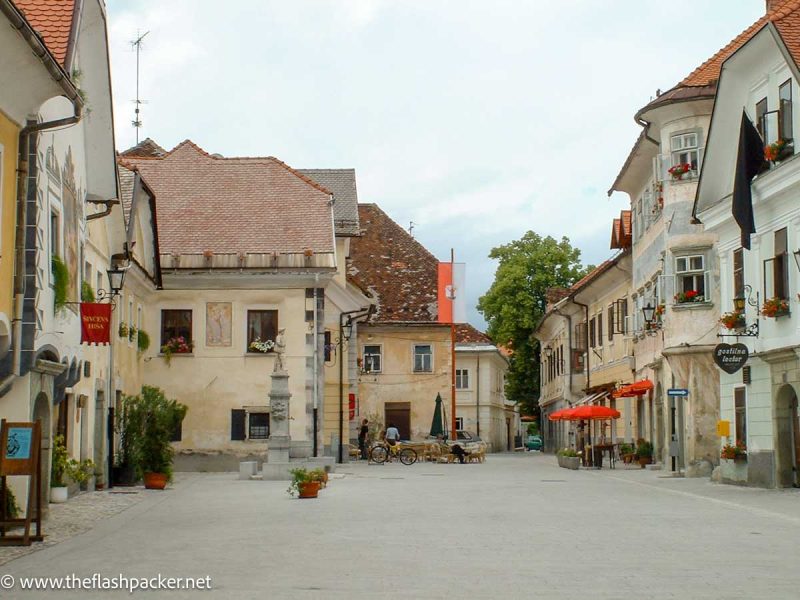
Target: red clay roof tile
[
  {"x": 467, "y": 334},
  {"x": 387, "y": 262},
  {"x": 232, "y": 205},
  {"x": 52, "y": 19}
]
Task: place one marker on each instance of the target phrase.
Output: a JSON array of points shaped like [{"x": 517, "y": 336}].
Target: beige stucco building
[{"x": 481, "y": 404}]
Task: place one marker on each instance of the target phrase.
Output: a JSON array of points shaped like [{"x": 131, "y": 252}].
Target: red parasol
[{"x": 592, "y": 412}]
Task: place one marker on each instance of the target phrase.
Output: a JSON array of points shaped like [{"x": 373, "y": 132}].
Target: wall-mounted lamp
[
  {"x": 797, "y": 258},
  {"x": 116, "y": 277},
  {"x": 649, "y": 313}
]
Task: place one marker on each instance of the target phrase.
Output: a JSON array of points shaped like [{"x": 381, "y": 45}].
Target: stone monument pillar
[{"x": 279, "y": 437}]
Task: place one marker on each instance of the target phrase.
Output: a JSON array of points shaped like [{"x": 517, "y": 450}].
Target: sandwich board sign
[{"x": 20, "y": 454}]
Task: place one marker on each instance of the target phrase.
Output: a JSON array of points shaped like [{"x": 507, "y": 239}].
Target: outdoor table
[{"x": 602, "y": 448}]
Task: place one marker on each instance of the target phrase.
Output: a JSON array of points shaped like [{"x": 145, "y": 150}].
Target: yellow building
[{"x": 405, "y": 354}]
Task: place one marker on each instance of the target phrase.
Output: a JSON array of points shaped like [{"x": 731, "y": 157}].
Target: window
[
  {"x": 462, "y": 379},
  {"x": 372, "y": 359},
  {"x": 738, "y": 273},
  {"x": 262, "y": 325},
  {"x": 459, "y": 423},
  {"x": 592, "y": 343},
  {"x": 423, "y": 358},
  {"x": 55, "y": 231},
  {"x": 785, "y": 124},
  {"x": 780, "y": 266},
  {"x": 600, "y": 329},
  {"x": 175, "y": 324},
  {"x": 620, "y": 314},
  {"x": 685, "y": 150},
  {"x": 691, "y": 278},
  {"x": 579, "y": 341},
  {"x": 740, "y": 409},
  {"x": 328, "y": 347},
  {"x": 761, "y": 119},
  {"x": 610, "y": 324},
  {"x": 578, "y": 360},
  {"x": 258, "y": 426}
]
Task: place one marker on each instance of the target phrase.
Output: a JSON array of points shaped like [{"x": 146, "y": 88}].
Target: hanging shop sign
[
  {"x": 730, "y": 357},
  {"x": 95, "y": 323}
]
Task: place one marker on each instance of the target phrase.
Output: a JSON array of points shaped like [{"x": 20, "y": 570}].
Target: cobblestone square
[{"x": 515, "y": 527}]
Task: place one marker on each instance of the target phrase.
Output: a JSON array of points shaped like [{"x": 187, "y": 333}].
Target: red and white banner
[
  {"x": 95, "y": 323},
  {"x": 452, "y": 293}
]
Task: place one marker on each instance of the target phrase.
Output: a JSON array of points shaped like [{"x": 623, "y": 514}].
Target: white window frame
[
  {"x": 682, "y": 152},
  {"x": 459, "y": 423},
  {"x": 462, "y": 379},
  {"x": 414, "y": 359},
  {"x": 688, "y": 271},
  {"x": 735, "y": 413},
  {"x": 364, "y": 358}
]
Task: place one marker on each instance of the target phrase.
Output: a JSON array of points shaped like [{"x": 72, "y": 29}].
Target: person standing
[{"x": 362, "y": 438}]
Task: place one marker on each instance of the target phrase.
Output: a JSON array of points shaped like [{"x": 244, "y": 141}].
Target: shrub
[
  {"x": 87, "y": 292},
  {"x": 151, "y": 420},
  {"x": 143, "y": 341},
  {"x": 60, "y": 283}
]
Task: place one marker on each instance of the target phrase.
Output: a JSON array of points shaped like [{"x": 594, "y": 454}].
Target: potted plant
[
  {"x": 60, "y": 282},
  {"x": 737, "y": 451},
  {"x": 303, "y": 484},
  {"x": 688, "y": 297},
  {"x": 778, "y": 151},
  {"x": 732, "y": 320},
  {"x": 122, "y": 331},
  {"x": 131, "y": 333},
  {"x": 569, "y": 459},
  {"x": 644, "y": 450},
  {"x": 87, "y": 293},
  {"x": 320, "y": 476},
  {"x": 775, "y": 307},
  {"x": 258, "y": 346},
  {"x": 143, "y": 341},
  {"x": 64, "y": 468},
  {"x": 151, "y": 422},
  {"x": 678, "y": 171},
  {"x": 176, "y": 345},
  {"x": 626, "y": 452}
]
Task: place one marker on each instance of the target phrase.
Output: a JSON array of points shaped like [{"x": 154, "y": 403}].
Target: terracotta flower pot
[
  {"x": 309, "y": 489},
  {"x": 644, "y": 461},
  {"x": 155, "y": 481}
]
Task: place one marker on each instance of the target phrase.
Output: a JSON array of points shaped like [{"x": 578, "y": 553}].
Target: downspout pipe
[{"x": 20, "y": 273}]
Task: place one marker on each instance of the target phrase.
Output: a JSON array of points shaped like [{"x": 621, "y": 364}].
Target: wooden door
[{"x": 399, "y": 413}]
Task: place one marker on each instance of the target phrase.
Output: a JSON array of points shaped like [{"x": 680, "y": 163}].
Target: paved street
[{"x": 514, "y": 527}]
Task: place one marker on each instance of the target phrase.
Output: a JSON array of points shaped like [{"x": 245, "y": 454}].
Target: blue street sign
[{"x": 677, "y": 392}]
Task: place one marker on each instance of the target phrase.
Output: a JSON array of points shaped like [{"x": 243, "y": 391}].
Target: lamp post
[{"x": 116, "y": 279}]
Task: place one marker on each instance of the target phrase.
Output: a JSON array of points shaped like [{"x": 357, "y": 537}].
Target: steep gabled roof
[
  {"x": 342, "y": 182},
  {"x": 400, "y": 273},
  {"x": 621, "y": 237},
  {"x": 147, "y": 148},
  {"x": 234, "y": 205},
  {"x": 54, "y": 21}
]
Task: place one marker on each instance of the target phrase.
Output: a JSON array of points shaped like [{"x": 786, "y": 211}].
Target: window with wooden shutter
[
  {"x": 579, "y": 341},
  {"x": 610, "y": 324},
  {"x": 600, "y": 329},
  {"x": 177, "y": 433},
  {"x": 785, "y": 122},
  {"x": 592, "y": 343},
  {"x": 738, "y": 273},
  {"x": 238, "y": 417}
]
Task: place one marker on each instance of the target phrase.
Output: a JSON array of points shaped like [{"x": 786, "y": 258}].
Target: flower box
[{"x": 775, "y": 307}]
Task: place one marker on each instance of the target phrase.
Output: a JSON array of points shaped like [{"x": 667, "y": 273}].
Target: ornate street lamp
[
  {"x": 116, "y": 277},
  {"x": 648, "y": 312}
]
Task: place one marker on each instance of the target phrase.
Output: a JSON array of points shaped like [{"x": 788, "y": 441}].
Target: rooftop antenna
[
  {"x": 137, "y": 122},
  {"x": 411, "y": 226}
]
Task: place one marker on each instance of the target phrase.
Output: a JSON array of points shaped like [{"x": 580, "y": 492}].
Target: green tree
[{"x": 516, "y": 302}]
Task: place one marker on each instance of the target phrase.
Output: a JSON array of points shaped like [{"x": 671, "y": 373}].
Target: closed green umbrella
[{"x": 437, "y": 426}]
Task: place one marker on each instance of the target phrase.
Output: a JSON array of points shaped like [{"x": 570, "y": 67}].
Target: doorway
[
  {"x": 787, "y": 435},
  {"x": 41, "y": 412},
  {"x": 399, "y": 413}
]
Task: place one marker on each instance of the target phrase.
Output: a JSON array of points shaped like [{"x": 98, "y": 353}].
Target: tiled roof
[
  {"x": 126, "y": 191},
  {"x": 621, "y": 231},
  {"x": 467, "y": 334},
  {"x": 233, "y": 205},
  {"x": 627, "y": 228},
  {"x": 592, "y": 275},
  {"x": 52, "y": 19},
  {"x": 342, "y": 182},
  {"x": 145, "y": 149},
  {"x": 387, "y": 262}
]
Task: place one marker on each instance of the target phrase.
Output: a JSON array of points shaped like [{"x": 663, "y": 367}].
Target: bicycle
[{"x": 383, "y": 452}]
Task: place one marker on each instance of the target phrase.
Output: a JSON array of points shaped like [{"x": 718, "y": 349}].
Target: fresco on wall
[
  {"x": 73, "y": 215},
  {"x": 218, "y": 323}
]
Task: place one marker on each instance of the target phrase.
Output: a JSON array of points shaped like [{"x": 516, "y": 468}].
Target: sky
[{"x": 476, "y": 121}]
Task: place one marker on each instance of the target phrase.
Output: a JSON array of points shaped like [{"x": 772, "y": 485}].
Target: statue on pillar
[{"x": 280, "y": 350}]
